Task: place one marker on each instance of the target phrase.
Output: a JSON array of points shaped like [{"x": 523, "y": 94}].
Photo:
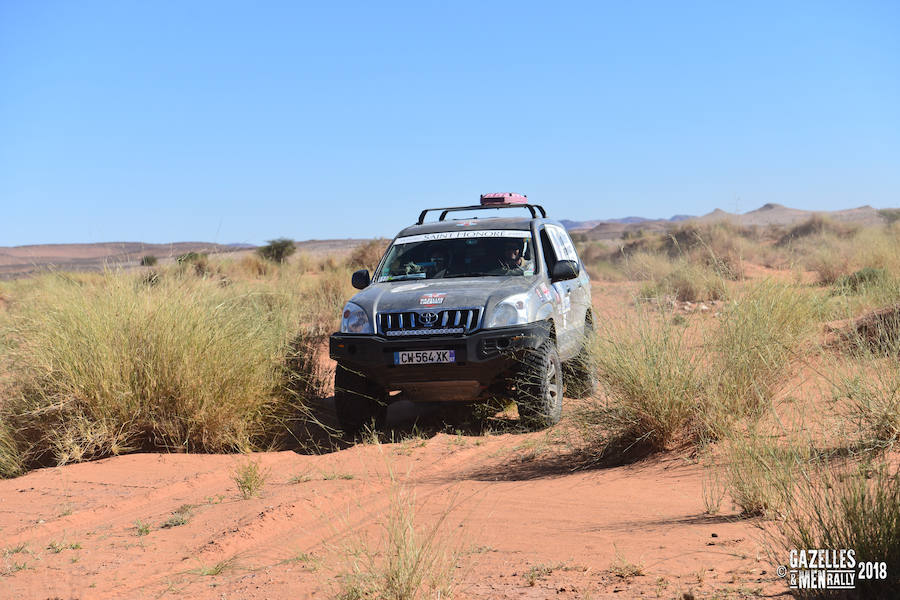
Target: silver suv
[{"x": 461, "y": 310}]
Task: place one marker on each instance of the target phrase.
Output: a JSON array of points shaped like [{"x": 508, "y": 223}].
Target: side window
[
  {"x": 562, "y": 243},
  {"x": 547, "y": 247}
]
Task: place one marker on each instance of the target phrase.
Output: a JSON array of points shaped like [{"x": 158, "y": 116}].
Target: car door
[
  {"x": 566, "y": 327},
  {"x": 581, "y": 293}
]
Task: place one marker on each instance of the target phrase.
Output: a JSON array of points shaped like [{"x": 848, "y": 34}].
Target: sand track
[{"x": 576, "y": 523}]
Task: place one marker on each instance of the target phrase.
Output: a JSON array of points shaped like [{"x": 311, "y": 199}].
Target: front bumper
[{"x": 483, "y": 359}]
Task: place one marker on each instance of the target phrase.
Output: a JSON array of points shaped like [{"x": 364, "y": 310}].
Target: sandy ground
[{"x": 514, "y": 505}]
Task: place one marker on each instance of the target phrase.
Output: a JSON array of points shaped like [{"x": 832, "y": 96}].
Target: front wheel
[
  {"x": 357, "y": 401},
  {"x": 539, "y": 387}
]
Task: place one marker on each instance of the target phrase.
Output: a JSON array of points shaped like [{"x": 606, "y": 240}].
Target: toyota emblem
[{"x": 429, "y": 318}]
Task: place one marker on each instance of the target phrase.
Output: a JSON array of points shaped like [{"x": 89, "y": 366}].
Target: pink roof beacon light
[{"x": 503, "y": 198}]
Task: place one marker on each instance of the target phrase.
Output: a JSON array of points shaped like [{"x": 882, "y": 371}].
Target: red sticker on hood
[{"x": 431, "y": 299}]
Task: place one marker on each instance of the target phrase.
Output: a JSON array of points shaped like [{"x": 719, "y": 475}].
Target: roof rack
[{"x": 533, "y": 208}]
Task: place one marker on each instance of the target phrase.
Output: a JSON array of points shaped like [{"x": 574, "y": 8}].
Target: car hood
[{"x": 438, "y": 294}]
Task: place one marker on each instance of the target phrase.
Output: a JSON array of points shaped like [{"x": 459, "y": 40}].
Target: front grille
[{"x": 429, "y": 322}]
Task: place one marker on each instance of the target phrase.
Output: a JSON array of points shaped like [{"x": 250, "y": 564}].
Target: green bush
[
  {"x": 148, "y": 261},
  {"x": 277, "y": 250}
]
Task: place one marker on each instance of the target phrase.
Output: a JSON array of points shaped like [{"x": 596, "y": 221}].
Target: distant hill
[
  {"x": 17, "y": 261},
  {"x": 768, "y": 214},
  {"x": 22, "y": 260},
  {"x": 587, "y": 225},
  {"x": 777, "y": 214}
]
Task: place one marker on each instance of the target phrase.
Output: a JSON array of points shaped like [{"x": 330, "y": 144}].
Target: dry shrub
[
  {"x": 845, "y": 506},
  {"x": 592, "y": 251},
  {"x": 834, "y": 257},
  {"x": 304, "y": 262},
  {"x": 817, "y": 225},
  {"x": 689, "y": 283},
  {"x": 721, "y": 248},
  {"x": 10, "y": 455},
  {"x": 646, "y": 266},
  {"x": 367, "y": 254},
  {"x": 108, "y": 367},
  {"x": 604, "y": 270},
  {"x": 254, "y": 266},
  {"x": 760, "y": 470},
  {"x": 328, "y": 264},
  {"x": 870, "y": 400},
  {"x": 829, "y": 257},
  {"x": 817, "y": 501},
  {"x": 651, "y": 384},
  {"x": 324, "y": 296},
  {"x": 658, "y": 388},
  {"x": 878, "y": 332},
  {"x": 759, "y": 335},
  {"x": 890, "y": 215},
  {"x": 308, "y": 377}
]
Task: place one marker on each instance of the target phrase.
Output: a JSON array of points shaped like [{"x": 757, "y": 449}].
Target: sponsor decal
[
  {"x": 463, "y": 234},
  {"x": 431, "y": 299},
  {"x": 544, "y": 292},
  {"x": 465, "y": 223}
]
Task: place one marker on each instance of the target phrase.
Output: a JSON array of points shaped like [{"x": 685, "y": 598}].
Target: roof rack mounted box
[
  {"x": 491, "y": 201},
  {"x": 504, "y": 198}
]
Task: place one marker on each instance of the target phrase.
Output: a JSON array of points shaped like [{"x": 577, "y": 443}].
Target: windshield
[{"x": 459, "y": 254}]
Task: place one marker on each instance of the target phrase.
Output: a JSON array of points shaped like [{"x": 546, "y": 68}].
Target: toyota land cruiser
[{"x": 462, "y": 309}]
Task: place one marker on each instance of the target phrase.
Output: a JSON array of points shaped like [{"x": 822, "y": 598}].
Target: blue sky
[{"x": 244, "y": 121}]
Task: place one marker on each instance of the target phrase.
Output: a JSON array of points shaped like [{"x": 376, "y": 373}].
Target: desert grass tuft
[
  {"x": 846, "y": 506},
  {"x": 11, "y": 463},
  {"x": 866, "y": 391},
  {"x": 760, "y": 469},
  {"x": 759, "y": 335},
  {"x": 101, "y": 365},
  {"x": 411, "y": 561},
  {"x": 249, "y": 479},
  {"x": 688, "y": 282},
  {"x": 650, "y": 381}
]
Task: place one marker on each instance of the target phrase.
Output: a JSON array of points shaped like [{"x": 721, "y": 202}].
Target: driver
[{"x": 510, "y": 258}]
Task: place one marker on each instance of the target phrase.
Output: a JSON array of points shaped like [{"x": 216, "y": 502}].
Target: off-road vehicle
[{"x": 460, "y": 310}]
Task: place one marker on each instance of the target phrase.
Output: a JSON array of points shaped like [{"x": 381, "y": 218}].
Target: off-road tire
[
  {"x": 580, "y": 371},
  {"x": 539, "y": 387},
  {"x": 357, "y": 401}
]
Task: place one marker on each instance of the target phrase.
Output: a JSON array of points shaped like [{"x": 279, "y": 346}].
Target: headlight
[
  {"x": 510, "y": 311},
  {"x": 355, "y": 320}
]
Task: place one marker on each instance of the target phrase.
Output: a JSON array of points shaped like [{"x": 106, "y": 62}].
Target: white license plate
[{"x": 424, "y": 357}]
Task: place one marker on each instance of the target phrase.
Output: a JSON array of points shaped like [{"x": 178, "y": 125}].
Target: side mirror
[
  {"x": 564, "y": 270},
  {"x": 361, "y": 279}
]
